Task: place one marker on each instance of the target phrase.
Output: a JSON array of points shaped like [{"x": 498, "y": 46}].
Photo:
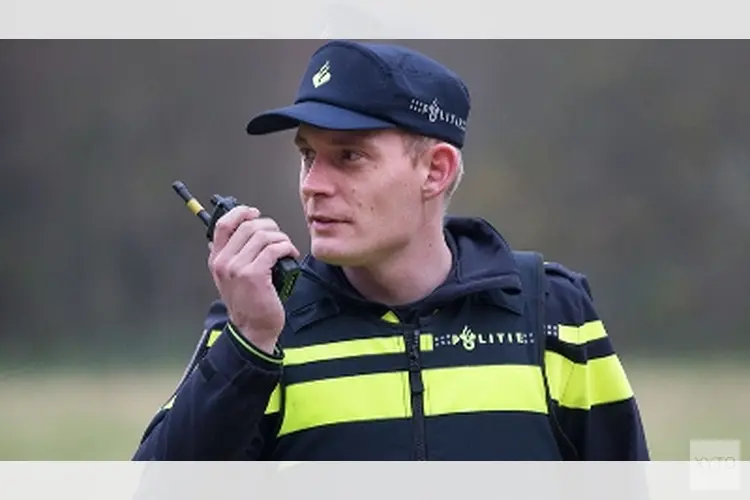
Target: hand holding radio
[{"x": 252, "y": 263}]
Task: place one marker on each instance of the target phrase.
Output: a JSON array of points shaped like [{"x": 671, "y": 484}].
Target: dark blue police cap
[{"x": 359, "y": 86}]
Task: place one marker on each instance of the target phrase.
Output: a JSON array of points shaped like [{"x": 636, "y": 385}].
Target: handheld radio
[{"x": 286, "y": 269}]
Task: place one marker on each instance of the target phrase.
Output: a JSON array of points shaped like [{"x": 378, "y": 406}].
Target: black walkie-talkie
[{"x": 286, "y": 269}]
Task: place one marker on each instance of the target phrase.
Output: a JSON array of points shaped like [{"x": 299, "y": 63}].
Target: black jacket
[{"x": 453, "y": 377}]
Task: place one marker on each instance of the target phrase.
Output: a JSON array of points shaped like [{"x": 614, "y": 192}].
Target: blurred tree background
[{"x": 626, "y": 160}]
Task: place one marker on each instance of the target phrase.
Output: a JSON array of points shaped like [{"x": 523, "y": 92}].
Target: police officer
[{"x": 410, "y": 335}]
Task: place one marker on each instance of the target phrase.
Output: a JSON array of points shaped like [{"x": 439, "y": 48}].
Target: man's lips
[{"x": 324, "y": 219}]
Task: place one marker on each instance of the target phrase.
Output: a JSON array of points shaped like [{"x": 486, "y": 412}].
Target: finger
[
  {"x": 271, "y": 253},
  {"x": 226, "y": 228},
  {"x": 247, "y": 256},
  {"x": 211, "y": 254},
  {"x": 223, "y": 260},
  {"x": 245, "y": 232},
  {"x": 228, "y": 223}
]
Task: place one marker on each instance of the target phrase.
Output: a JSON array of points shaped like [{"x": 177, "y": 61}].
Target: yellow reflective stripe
[
  {"x": 607, "y": 381},
  {"x": 579, "y": 335},
  {"x": 390, "y": 317},
  {"x": 212, "y": 336},
  {"x": 247, "y": 345},
  {"x": 426, "y": 342},
  {"x": 169, "y": 403},
  {"x": 344, "y": 349},
  {"x": 274, "y": 402},
  {"x": 484, "y": 388},
  {"x": 346, "y": 399},
  {"x": 386, "y": 395},
  {"x": 581, "y": 386},
  {"x": 352, "y": 348}
]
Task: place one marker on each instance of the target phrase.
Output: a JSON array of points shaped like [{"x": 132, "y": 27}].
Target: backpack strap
[{"x": 533, "y": 276}]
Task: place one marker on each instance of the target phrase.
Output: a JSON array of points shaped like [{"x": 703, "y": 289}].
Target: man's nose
[{"x": 317, "y": 179}]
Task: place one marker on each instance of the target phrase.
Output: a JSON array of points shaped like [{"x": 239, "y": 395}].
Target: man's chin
[{"x": 331, "y": 252}]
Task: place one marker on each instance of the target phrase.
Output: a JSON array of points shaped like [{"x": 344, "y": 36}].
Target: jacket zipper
[{"x": 411, "y": 337}]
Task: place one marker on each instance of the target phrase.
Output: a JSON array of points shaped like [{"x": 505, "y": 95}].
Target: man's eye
[{"x": 350, "y": 155}]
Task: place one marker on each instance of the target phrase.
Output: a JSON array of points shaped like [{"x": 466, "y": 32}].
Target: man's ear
[{"x": 441, "y": 165}]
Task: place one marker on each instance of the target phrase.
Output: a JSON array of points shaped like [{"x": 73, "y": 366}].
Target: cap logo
[
  {"x": 434, "y": 113},
  {"x": 323, "y": 75},
  {"x": 433, "y": 109}
]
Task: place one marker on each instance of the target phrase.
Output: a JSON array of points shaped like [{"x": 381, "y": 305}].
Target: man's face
[{"x": 361, "y": 194}]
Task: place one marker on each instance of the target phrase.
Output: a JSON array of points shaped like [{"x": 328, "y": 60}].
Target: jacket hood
[{"x": 483, "y": 264}]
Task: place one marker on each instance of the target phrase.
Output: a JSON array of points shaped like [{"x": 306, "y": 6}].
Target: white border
[
  {"x": 361, "y": 480},
  {"x": 371, "y": 19}
]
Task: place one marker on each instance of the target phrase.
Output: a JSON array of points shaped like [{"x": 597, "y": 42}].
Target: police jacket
[{"x": 457, "y": 376}]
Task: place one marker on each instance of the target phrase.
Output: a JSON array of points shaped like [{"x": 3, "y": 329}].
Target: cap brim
[{"x": 317, "y": 114}]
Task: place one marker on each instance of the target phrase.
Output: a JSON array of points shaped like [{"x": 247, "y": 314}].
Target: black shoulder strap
[
  {"x": 533, "y": 276},
  {"x": 531, "y": 265}
]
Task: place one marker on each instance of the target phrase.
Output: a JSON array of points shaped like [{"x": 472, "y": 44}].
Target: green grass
[
  {"x": 65, "y": 415},
  {"x": 680, "y": 402},
  {"x": 71, "y": 416}
]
